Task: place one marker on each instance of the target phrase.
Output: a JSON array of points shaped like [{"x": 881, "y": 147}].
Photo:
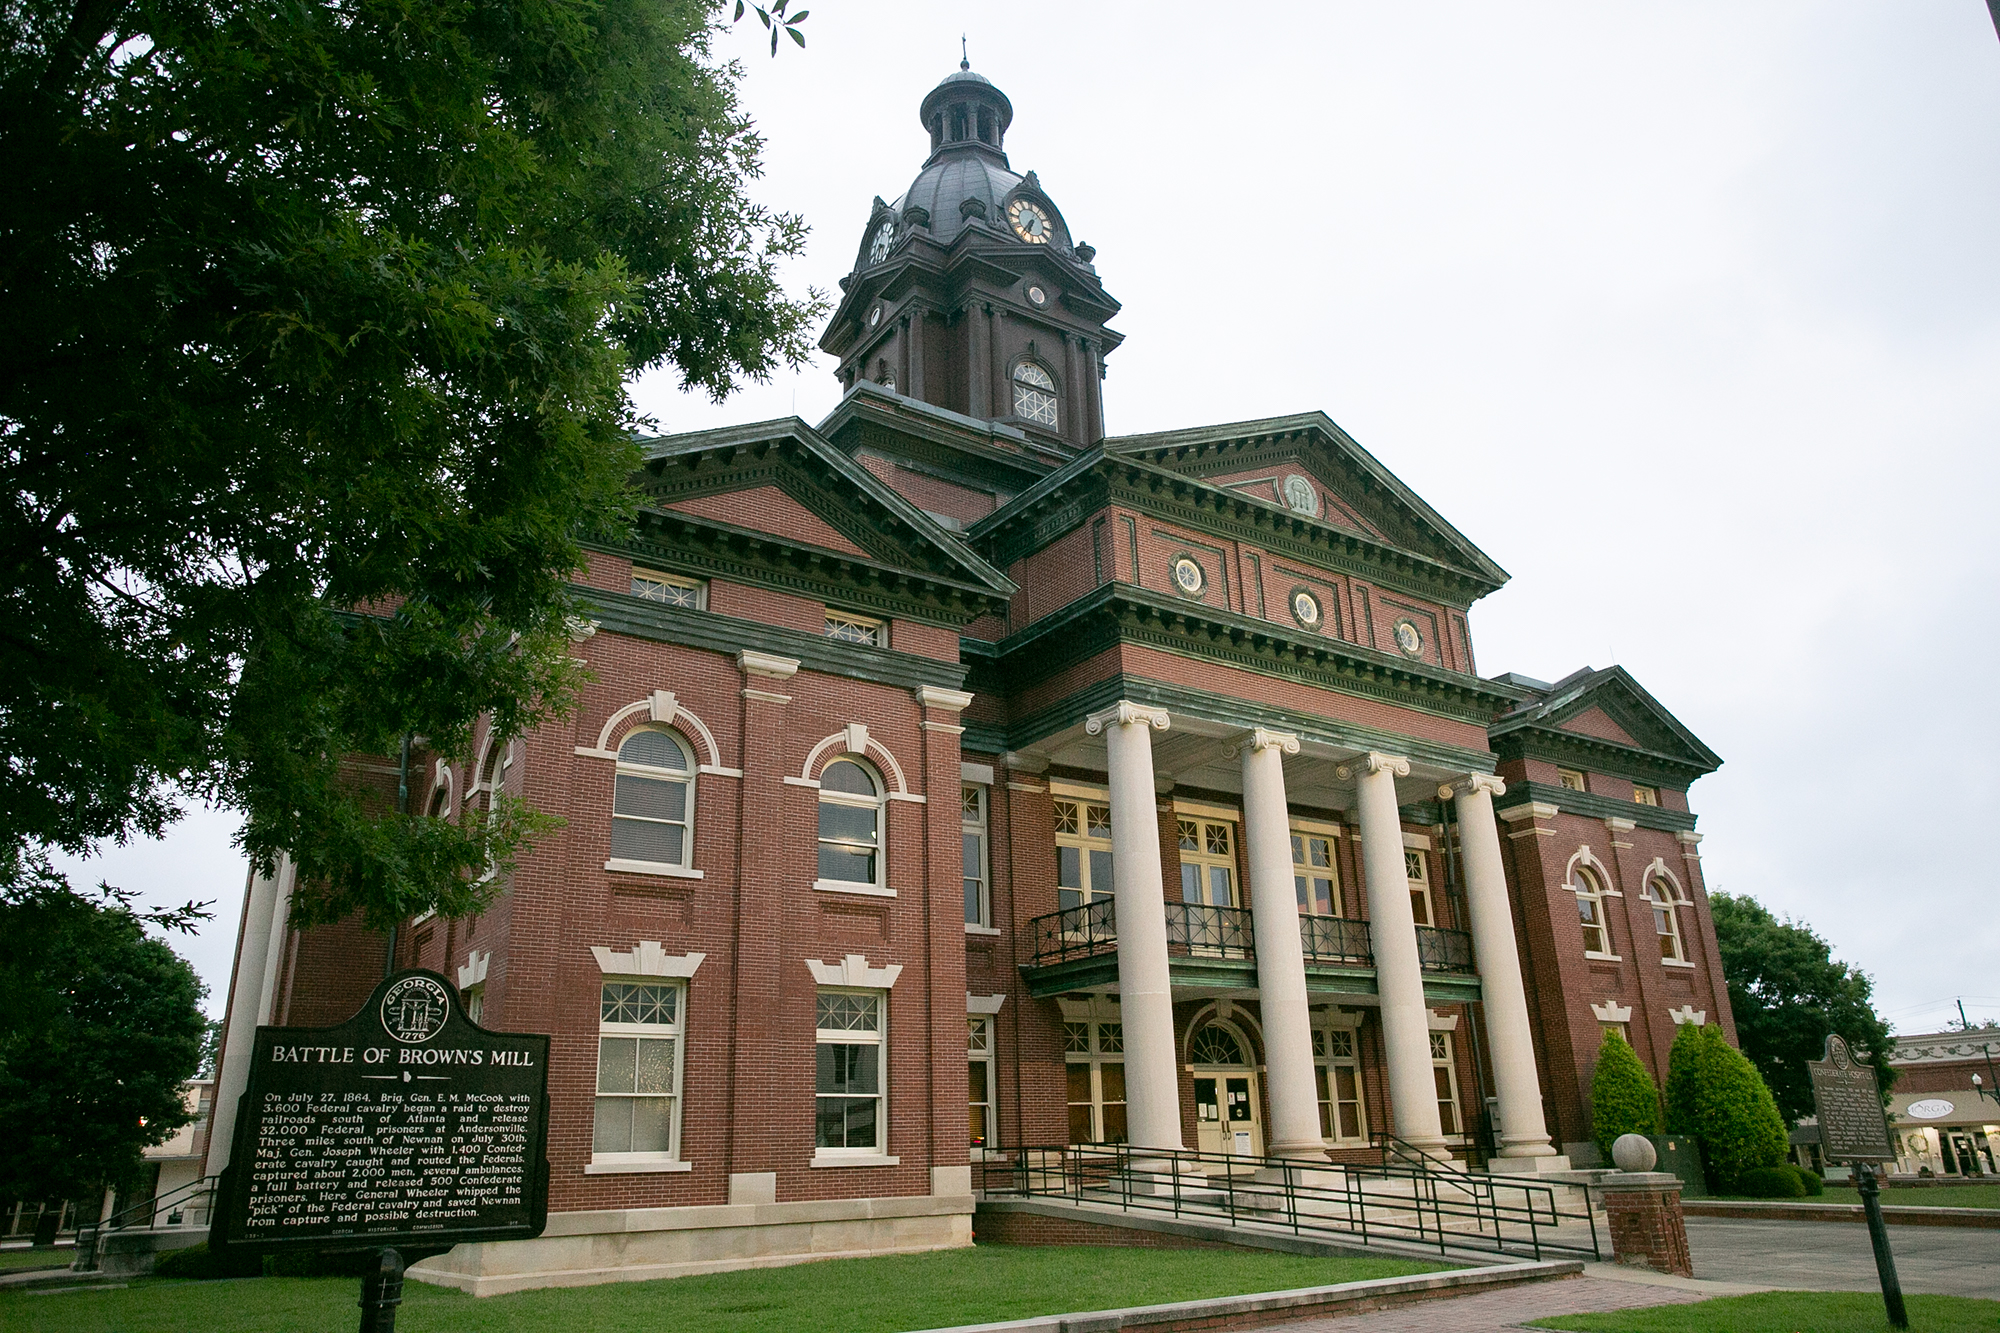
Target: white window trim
[
  {"x": 684, "y": 868},
  {"x": 1316, "y": 829},
  {"x": 878, "y": 1155},
  {"x": 1420, "y": 884},
  {"x": 1450, "y": 1065},
  {"x": 1082, "y": 841},
  {"x": 1200, "y": 856},
  {"x": 670, "y": 871},
  {"x": 879, "y": 886},
  {"x": 991, "y": 1057},
  {"x": 855, "y": 618},
  {"x": 1092, "y": 1017},
  {"x": 985, "y": 831},
  {"x": 1206, "y": 810},
  {"x": 630, "y": 1163},
  {"x": 1351, "y": 1025},
  {"x": 698, "y": 586}
]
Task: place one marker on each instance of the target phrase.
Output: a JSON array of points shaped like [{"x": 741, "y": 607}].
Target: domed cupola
[{"x": 971, "y": 237}]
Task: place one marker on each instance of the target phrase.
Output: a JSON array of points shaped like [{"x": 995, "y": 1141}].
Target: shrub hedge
[
  {"x": 1623, "y": 1099},
  {"x": 1715, "y": 1095},
  {"x": 1771, "y": 1182}
]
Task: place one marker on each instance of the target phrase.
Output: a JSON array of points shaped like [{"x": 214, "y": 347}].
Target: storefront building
[
  {"x": 957, "y": 778},
  {"x": 1944, "y": 1112}
]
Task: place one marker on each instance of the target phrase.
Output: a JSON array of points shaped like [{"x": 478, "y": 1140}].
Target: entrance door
[
  {"x": 1960, "y": 1155},
  {"x": 1227, "y": 1118}
]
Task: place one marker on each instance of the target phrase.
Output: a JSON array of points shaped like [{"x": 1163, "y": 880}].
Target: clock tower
[{"x": 969, "y": 292}]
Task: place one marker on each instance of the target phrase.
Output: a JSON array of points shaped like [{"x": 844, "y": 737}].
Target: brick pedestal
[{"x": 1647, "y": 1227}]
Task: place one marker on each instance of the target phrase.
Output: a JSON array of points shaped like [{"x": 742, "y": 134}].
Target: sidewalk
[{"x": 1499, "y": 1311}]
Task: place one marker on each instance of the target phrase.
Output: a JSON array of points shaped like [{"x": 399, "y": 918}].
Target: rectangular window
[
  {"x": 980, "y": 1081},
  {"x": 1083, "y": 852},
  {"x": 672, "y": 589},
  {"x": 850, "y": 628},
  {"x": 1607, "y": 1029},
  {"x": 1096, "y": 1071},
  {"x": 1446, "y": 1074},
  {"x": 1313, "y": 872},
  {"x": 1645, "y": 795},
  {"x": 638, "y": 1070},
  {"x": 1420, "y": 886},
  {"x": 972, "y": 831},
  {"x": 1208, "y": 862},
  {"x": 474, "y": 999},
  {"x": 1339, "y": 1071},
  {"x": 1570, "y": 778},
  {"x": 848, "y": 1090}
]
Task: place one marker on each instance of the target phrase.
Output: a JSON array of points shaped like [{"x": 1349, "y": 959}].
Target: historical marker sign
[
  {"x": 407, "y": 1126},
  {"x": 1852, "y": 1127}
]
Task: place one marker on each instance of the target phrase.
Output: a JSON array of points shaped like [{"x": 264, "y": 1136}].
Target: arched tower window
[
  {"x": 652, "y": 805},
  {"x": 1035, "y": 394}
]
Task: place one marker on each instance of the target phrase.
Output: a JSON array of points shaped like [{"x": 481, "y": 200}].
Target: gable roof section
[
  {"x": 911, "y": 565},
  {"x": 1662, "y": 749},
  {"x": 1062, "y": 500},
  {"x": 1339, "y": 461},
  {"x": 991, "y": 453}
]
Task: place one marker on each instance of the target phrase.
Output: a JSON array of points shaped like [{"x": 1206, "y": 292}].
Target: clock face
[
  {"x": 1030, "y": 223},
  {"x": 878, "y": 249}
]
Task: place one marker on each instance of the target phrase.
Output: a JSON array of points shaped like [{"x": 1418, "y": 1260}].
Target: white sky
[{"x": 1688, "y": 314}]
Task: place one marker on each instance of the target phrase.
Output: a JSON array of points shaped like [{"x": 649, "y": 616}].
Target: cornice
[
  {"x": 618, "y": 613},
  {"x": 1061, "y": 501},
  {"x": 1593, "y": 806},
  {"x": 1119, "y": 612},
  {"x": 1544, "y": 740}
]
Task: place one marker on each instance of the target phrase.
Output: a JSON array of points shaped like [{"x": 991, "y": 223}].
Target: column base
[
  {"x": 1527, "y": 1166},
  {"x": 1308, "y": 1153}
]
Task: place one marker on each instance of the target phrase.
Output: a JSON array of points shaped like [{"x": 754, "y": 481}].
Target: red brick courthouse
[{"x": 959, "y": 778}]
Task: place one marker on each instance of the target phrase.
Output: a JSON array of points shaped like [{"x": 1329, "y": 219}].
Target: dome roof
[{"x": 948, "y": 180}]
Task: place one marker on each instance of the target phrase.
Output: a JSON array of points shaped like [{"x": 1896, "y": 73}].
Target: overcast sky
[{"x": 1688, "y": 314}]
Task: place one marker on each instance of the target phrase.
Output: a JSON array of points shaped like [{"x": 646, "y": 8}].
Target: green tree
[
  {"x": 1623, "y": 1099},
  {"x": 100, "y": 1027},
  {"x": 1787, "y": 992},
  {"x": 1717, "y": 1097},
  {"x": 316, "y": 318}
]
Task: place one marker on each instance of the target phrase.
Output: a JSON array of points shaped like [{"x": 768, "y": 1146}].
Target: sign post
[
  {"x": 1853, "y": 1129},
  {"x": 405, "y": 1130}
]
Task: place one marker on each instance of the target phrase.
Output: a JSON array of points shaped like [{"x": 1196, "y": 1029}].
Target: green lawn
[
  {"x": 1790, "y": 1312},
  {"x": 13, "y": 1261},
  {"x": 888, "y": 1295}
]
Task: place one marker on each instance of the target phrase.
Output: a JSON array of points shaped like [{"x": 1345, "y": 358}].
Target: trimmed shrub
[
  {"x": 1771, "y": 1182},
  {"x": 1810, "y": 1180},
  {"x": 199, "y": 1263},
  {"x": 1623, "y": 1099},
  {"x": 1715, "y": 1095}
]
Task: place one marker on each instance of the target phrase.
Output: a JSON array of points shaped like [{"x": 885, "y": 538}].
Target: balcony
[{"x": 1216, "y": 946}]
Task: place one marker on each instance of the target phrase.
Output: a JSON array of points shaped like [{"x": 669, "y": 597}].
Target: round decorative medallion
[
  {"x": 1931, "y": 1108},
  {"x": 1038, "y": 296},
  {"x": 875, "y": 317},
  {"x": 1299, "y": 495},
  {"x": 1305, "y": 609},
  {"x": 1188, "y": 576},
  {"x": 1836, "y": 1051},
  {"x": 414, "y": 1009},
  {"x": 1408, "y": 637}
]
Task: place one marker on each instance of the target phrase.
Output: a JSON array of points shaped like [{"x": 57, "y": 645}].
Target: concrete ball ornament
[{"x": 1634, "y": 1152}]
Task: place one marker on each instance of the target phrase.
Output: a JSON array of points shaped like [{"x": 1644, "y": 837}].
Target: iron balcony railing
[
  {"x": 1405, "y": 1196},
  {"x": 1336, "y": 939},
  {"x": 1075, "y": 932},
  {"x": 1196, "y": 930},
  {"x": 1441, "y": 950}
]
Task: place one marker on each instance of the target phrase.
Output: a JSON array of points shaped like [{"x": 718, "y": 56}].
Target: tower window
[{"x": 1034, "y": 394}]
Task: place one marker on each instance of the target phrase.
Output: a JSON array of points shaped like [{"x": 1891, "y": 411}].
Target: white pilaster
[
  {"x": 1281, "y": 964},
  {"x": 1152, "y": 1084},
  {"x": 266, "y": 912},
  {"x": 1399, "y": 972},
  {"x": 1522, "y": 1130}
]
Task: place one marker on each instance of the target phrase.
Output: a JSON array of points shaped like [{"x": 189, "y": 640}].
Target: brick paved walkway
[{"x": 1496, "y": 1311}]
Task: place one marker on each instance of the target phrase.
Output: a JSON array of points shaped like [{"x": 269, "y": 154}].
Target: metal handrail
[
  {"x": 1336, "y": 939},
  {"x": 1443, "y": 950},
  {"x": 1075, "y": 932},
  {"x": 1199, "y": 930},
  {"x": 1445, "y": 1208},
  {"x": 187, "y": 1196}
]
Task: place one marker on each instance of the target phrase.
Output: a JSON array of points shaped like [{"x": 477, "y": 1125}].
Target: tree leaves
[{"x": 775, "y": 20}]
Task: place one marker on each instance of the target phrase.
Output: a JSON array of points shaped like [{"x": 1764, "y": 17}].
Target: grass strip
[
  {"x": 888, "y": 1295},
  {"x": 1790, "y": 1312}
]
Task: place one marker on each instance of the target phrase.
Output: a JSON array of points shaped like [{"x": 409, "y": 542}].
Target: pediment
[
  {"x": 1596, "y": 722},
  {"x": 782, "y": 483},
  {"x": 1610, "y": 707},
  {"x": 1356, "y": 489}
]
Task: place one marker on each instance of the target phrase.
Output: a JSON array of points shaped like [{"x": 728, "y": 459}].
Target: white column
[
  {"x": 1522, "y": 1130},
  {"x": 1399, "y": 974},
  {"x": 266, "y": 912},
  {"x": 1281, "y": 963},
  {"x": 1152, "y": 1081}
]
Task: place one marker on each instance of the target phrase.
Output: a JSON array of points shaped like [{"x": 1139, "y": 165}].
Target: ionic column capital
[
  {"x": 1473, "y": 784},
  {"x": 1370, "y": 763},
  {"x": 1126, "y": 713},
  {"x": 1263, "y": 738}
]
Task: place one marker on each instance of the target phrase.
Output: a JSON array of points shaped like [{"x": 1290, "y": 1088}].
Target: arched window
[
  {"x": 850, "y": 824},
  {"x": 492, "y": 778},
  {"x": 1589, "y": 891},
  {"x": 652, "y": 805},
  {"x": 1215, "y": 1045},
  {"x": 1666, "y": 921},
  {"x": 1034, "y": 394}
]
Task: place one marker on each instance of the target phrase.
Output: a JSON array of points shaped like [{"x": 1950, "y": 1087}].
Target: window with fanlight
[
  {"x": 850, "y": 825},
  {"x": 652, "y": 803},
  {"x": 1035, "y": 394}
]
